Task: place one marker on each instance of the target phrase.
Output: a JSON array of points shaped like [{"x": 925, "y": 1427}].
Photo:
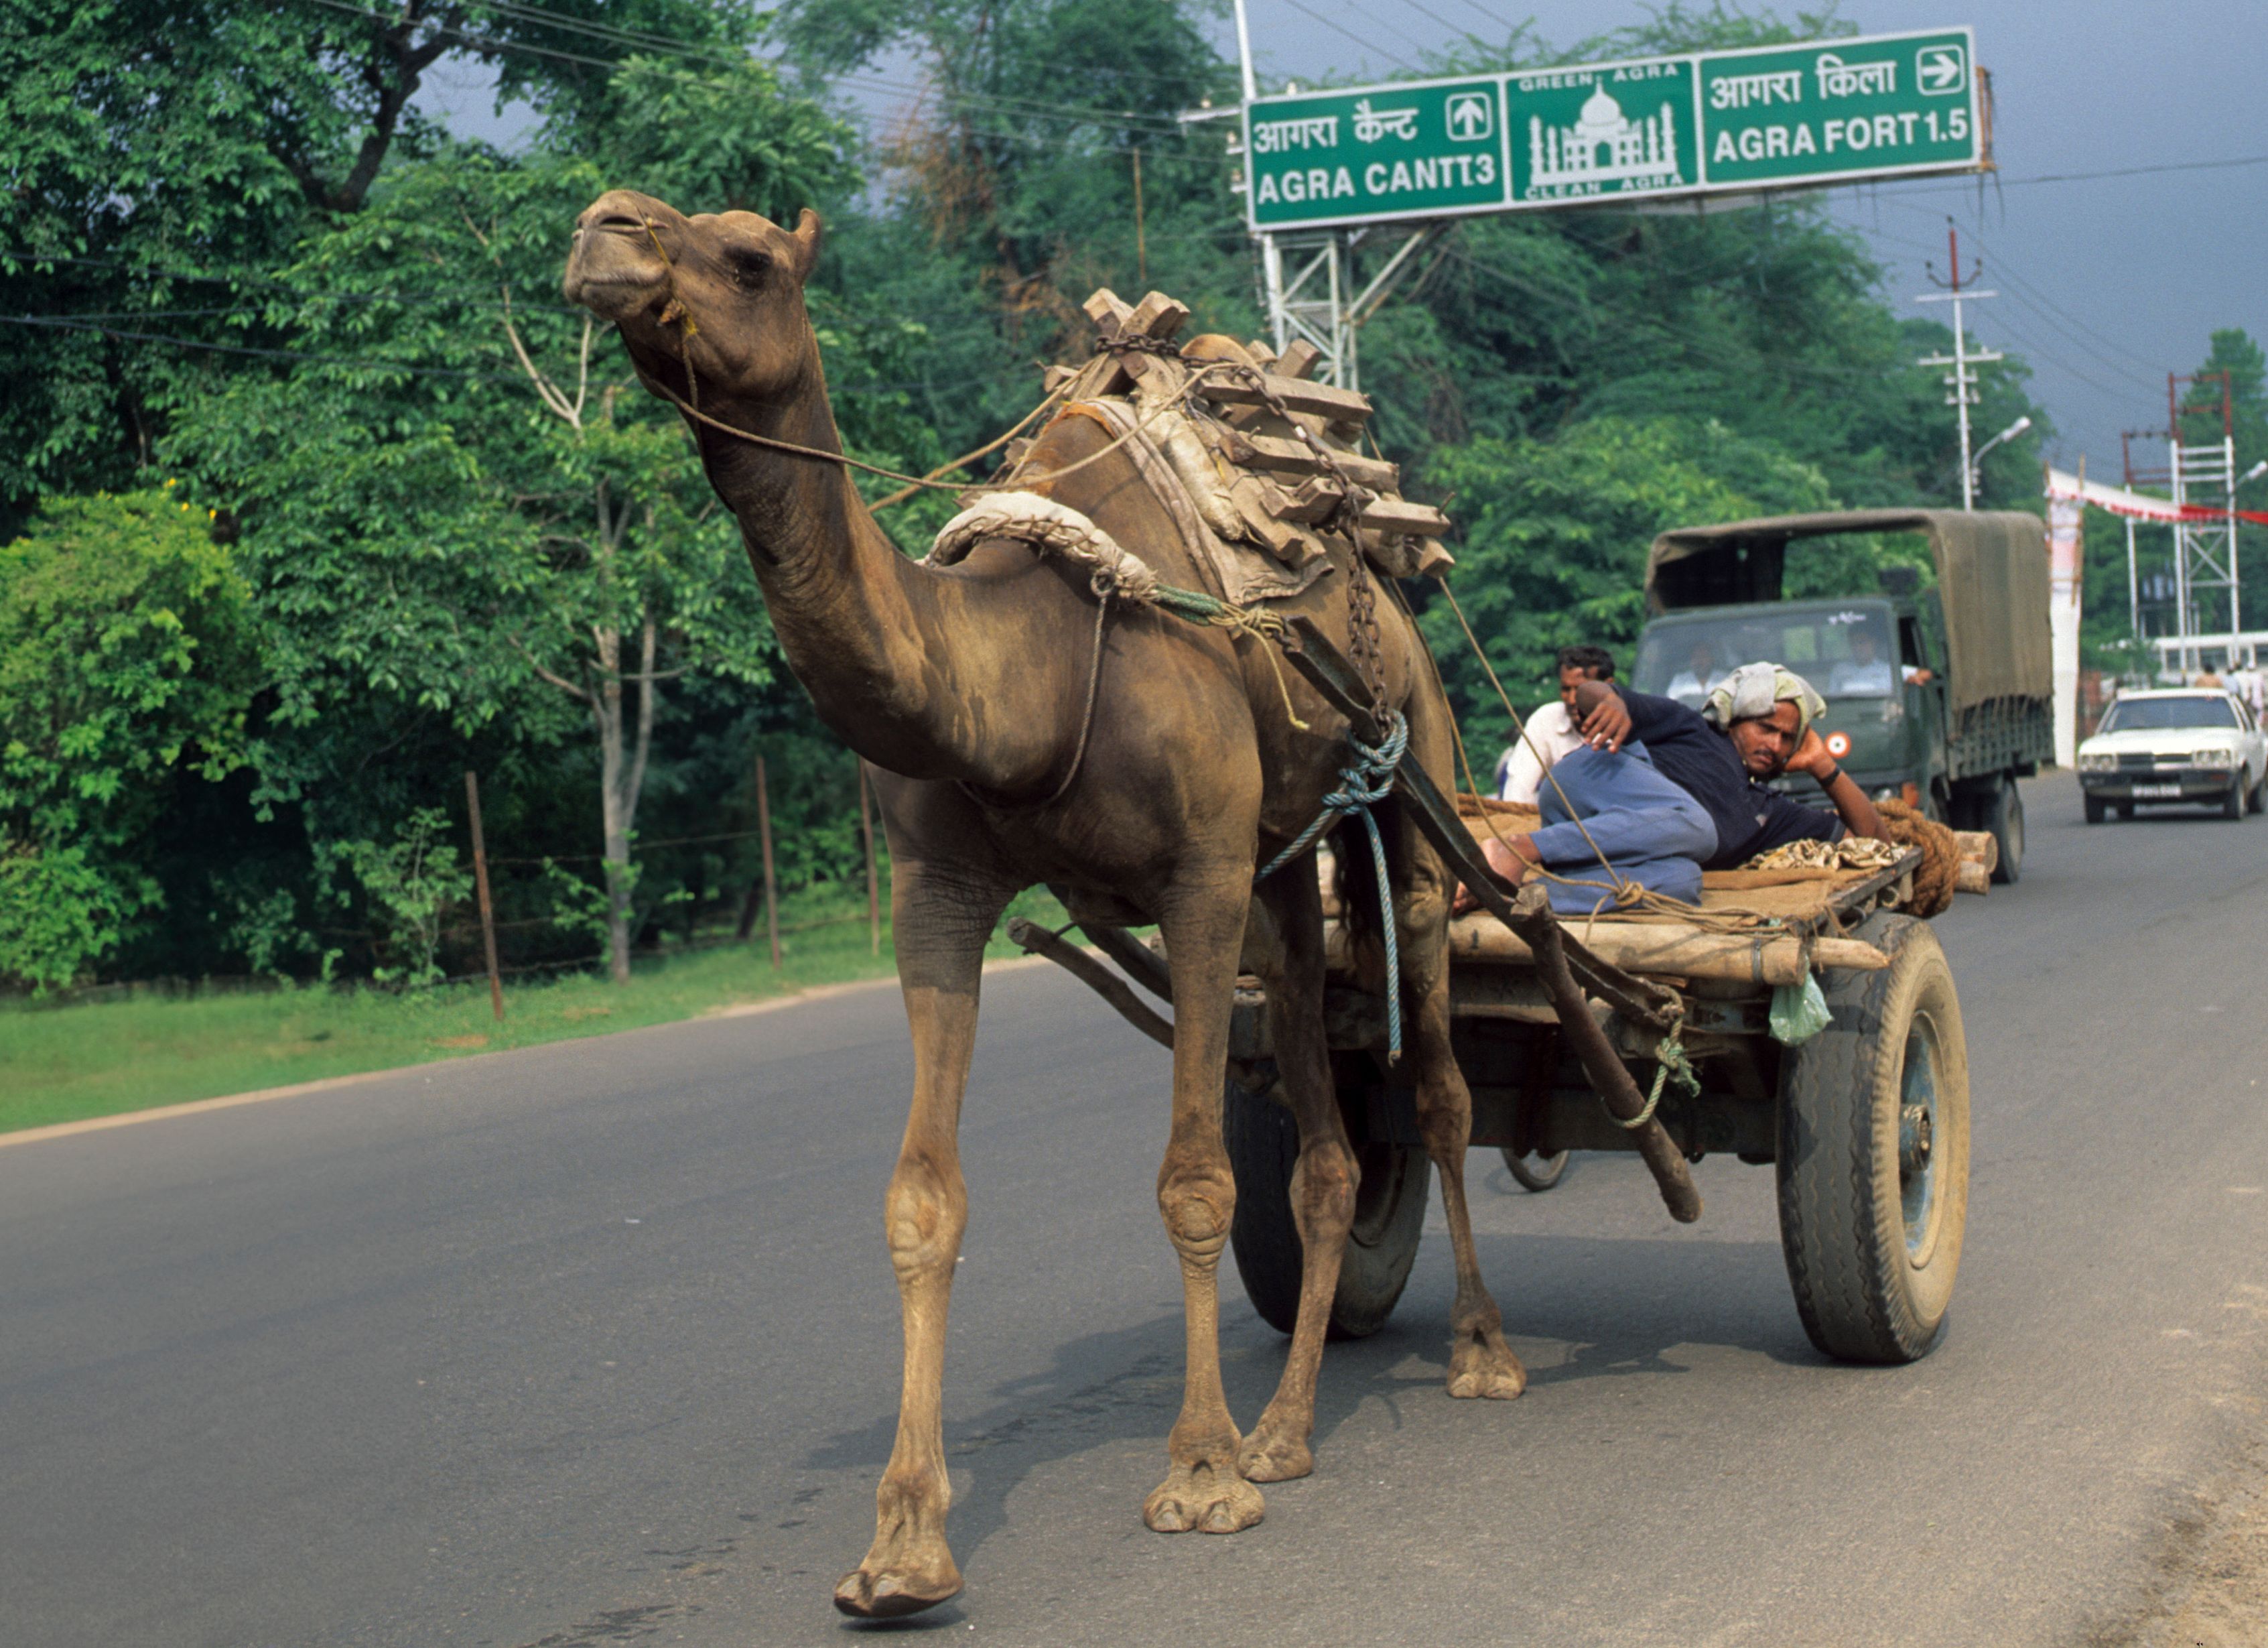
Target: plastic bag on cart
[{"x": 1799, "y": 1012}]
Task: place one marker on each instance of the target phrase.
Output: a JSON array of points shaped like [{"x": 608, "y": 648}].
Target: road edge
[{"x": 331, "y": 1083}]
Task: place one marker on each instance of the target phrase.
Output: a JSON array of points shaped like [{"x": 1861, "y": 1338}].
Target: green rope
[{"x": 1671, "y": 1052}]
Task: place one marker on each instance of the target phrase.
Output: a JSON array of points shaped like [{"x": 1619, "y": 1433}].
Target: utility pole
[{"x": 1961, "y": 380}]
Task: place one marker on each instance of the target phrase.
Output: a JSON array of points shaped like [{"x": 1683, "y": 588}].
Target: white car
[{"x": 2187, "y": 745}]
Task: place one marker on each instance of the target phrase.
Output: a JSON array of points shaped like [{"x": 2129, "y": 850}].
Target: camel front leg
[
  {"x": 1481, "y": 1364},
  {"x": 1323, "y": 1179},
  {"x": 1204, "y": 929},
  {"x": 941, "y": 922}
]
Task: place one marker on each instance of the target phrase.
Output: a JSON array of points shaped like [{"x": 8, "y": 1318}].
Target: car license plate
[{"x": 2157, "y": 791}]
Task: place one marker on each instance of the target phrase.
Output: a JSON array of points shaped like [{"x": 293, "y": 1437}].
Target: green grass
[{"x": 67, "y": 1061}]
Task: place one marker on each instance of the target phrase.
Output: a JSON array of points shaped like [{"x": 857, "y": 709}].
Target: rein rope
[{"x": 1366, "y": 780}]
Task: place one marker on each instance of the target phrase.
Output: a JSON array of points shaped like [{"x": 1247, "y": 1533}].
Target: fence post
[
  {"x": 771, "y": 882},
  {"x": 874, "y": 881},
  {"x": 481, "y": 880}
]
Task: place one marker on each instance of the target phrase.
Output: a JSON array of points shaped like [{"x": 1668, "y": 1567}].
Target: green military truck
[{"x": 1942, "y": 697}]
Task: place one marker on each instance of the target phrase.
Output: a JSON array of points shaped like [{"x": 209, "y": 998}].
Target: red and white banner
[{"x": 2139, "y": 505}]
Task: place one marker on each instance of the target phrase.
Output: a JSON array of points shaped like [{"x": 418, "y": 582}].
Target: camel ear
[{"x": 806, "y": 238}]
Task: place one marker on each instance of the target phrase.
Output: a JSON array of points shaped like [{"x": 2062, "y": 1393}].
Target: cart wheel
[
  {"x": 2004, "y": 817},
  {"x": 1874, "y": 1155},
  {"x": 1389, "y": 1217},
  {"x": 1538, "y": 1175}
]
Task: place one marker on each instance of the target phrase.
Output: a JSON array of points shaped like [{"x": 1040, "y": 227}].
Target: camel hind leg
[
  {"x": 1481, "y": 1364},
  {"x": 1289, "y": 956},
  {"x": 941, "y": 921}
]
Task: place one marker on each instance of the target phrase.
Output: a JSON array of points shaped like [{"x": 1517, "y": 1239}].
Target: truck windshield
[
  {"x": 1845, "y": 652},
  {"x": 2132, "y": 714}
]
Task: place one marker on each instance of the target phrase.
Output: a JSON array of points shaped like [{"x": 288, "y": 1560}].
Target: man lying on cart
[{"x": 1698, "y": 798}]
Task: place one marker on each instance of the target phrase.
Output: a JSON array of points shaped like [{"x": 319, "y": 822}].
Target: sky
[{"x": 2106, "y": 283}]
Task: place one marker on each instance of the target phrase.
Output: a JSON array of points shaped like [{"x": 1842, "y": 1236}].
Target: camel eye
[{"x": 749, "y": 266}]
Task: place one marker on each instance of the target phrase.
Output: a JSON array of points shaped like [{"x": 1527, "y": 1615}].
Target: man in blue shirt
[{"x": 1711, "y": 766}]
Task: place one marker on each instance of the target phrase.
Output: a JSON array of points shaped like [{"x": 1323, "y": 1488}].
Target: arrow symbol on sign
[{"x": 1940, "y": 68}]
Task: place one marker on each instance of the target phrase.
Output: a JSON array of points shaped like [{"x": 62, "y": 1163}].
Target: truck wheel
[
  {"x": 2097, "y": 810},
  {"x": 1874, "y": 1155},
  {"x": 1389, "y": 1217},
  {"x": 1538, "y": 1175},
  {"x": 2004, "y": 817}
]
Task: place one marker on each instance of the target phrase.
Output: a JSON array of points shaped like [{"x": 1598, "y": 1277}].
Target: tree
[
  {"x": 159, "y": 158},
  {"x": 472, "y": 513},
  {"x": 127, "y": 659}
]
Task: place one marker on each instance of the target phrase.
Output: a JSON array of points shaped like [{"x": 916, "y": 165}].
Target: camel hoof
[
  {"x": 1266, "y": 1460},
  {"x": 1198, "y": 1499},
  {"x": 1484, "y": 1366},
  {"x": 894, "y": 1592}
]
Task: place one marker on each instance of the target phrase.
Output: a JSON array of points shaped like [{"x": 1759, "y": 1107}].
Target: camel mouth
[{"x": 611, "y": 277}]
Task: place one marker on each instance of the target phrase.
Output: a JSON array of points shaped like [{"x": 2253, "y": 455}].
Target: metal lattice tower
[{"x": 2204, "y": 475}]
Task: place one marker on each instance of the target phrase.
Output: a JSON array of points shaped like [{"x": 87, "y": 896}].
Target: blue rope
[{"x": 1366, "y": 780}]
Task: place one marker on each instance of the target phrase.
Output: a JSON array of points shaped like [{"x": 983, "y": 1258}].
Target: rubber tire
[
  {"x": 1545, "y": 1174},
  {"x": 1861, "y": 1295},
  {"x": 1263, "y": 1147},
  {"x": 2125, "y": 812},
  {"x": 2097, "y": 810},
  {"x": 2003, "y": 814},
  {"x": 2231, "y": 805},
  {"x": 2255, "y": 799}
]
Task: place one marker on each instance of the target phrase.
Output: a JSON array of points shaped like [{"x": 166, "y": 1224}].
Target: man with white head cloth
[{"x": 1755, "y": 725}]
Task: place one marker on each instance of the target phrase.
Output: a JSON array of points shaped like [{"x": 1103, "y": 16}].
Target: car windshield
[
  {"x": 2143, "y": 714},
  {"x": 1845, "y": 652}
]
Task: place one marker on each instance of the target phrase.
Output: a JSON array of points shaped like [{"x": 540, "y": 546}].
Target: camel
[{"x": 966, "y": 689}]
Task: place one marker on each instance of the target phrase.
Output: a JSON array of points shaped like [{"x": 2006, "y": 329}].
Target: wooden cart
[{"x": 1865, "y": 1124}]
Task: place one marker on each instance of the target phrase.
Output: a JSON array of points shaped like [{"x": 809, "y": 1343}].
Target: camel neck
[{"x": 861, "y": 627}]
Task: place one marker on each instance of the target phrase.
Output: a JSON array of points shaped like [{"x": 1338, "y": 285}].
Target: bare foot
[
  {"x": 1269, "y": 1456},
  {"x": 1198, "y": 1498},
  {"x": 1482, "y": 1364}
]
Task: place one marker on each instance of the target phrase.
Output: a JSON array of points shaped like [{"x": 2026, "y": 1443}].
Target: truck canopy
[{"x": 1992, "y": 575}]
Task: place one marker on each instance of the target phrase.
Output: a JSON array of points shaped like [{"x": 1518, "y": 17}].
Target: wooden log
[
  {"x": 1277, "y": 456},
  {"x": 1108, "y": 310},
  {"x": 1157, "y": 316},
  {"x": 1979, "y": 847},
  {"x": 1972, "y": 876},
  {"x": 1038, "y": 940},
  {"x": 1054, "y": 377},
  {"x": 1255, "y": 500},
  {"x": 1299, "y": 360},
  {"x": 1325, "y": 401},
  {"x": 1316, "y": 499},
  {"x": 1675, "y": 949},
  {"x": 1398, "y": 517}
]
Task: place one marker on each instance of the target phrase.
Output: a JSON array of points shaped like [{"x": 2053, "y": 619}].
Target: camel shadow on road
[{"x": 1619, "y": 1309}]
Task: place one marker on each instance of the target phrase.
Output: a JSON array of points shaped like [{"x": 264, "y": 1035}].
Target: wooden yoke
[{"x": 1558, "y": 958}]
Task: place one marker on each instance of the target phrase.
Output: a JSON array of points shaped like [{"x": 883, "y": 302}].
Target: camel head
[{"x": 725, "y": 288}]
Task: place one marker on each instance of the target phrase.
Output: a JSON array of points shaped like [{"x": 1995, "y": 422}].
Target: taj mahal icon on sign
[{"x": 1604, "y": 145}]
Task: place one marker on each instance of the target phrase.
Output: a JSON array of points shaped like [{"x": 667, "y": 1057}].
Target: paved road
[{"x": 597, "y": 1343}]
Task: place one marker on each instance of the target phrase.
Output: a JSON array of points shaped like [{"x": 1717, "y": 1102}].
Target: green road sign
[
  {"x": 1421, "y": 149},
  {"x": 1774, "y": 117},
  {"x": 1842, "y": 109}
]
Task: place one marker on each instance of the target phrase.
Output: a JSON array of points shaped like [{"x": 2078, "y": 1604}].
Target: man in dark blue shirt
[{"x": 1754, "y": 725}]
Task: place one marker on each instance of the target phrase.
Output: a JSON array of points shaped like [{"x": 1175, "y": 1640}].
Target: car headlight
[
  {"x": 2220, "y": 755},
  {"x": 2098, "y": 764}
]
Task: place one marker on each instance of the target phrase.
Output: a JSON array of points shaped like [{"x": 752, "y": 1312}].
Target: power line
[
  {"x": 1299, "y": 6},
  {"x": 2085, "y": 177}
]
